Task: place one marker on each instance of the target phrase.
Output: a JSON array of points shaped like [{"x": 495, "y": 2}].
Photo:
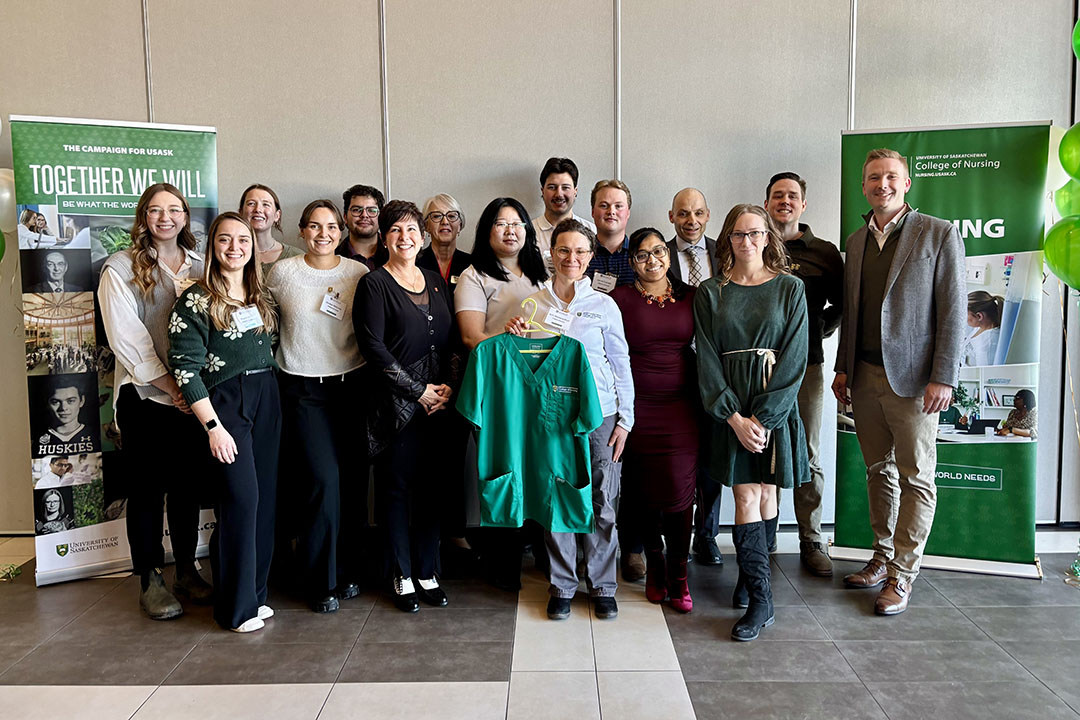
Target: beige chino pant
[
  {"x": 807, "y": 497},
  {"x": 899, "y": 446}
]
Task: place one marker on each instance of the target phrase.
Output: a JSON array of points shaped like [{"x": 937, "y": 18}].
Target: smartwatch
[{"x": 210, "y": 425}]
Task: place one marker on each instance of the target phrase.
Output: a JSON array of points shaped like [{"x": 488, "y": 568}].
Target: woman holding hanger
[
  {"x": 401, "y": 316},
  {"x": 749, "y": 374},
  {"x": 320, "y": 389},
  {"x": 569, "y": 305}
]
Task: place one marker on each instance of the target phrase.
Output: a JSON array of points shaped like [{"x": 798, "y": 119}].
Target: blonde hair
[
  {"x": 217, "y": 287},
  {"x": 143, "y": 263},
  {"x": 884, "y": 154},
  {"x": 774, "y": 256},
  {"x": 617, "y": 184}
]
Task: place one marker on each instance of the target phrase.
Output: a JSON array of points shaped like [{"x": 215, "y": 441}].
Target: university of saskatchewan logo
[{"x": 62, "y": 550}]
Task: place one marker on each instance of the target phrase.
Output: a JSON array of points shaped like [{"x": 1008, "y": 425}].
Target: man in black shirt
[
  {"x": 819, "y": 265},
  {"x": 361, "y": 205}
]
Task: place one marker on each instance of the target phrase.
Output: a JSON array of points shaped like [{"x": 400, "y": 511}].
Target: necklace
[
  {"x": 270, "y": 249},
  {"x": 410, "y": 286},
  {"x": 659, "y": 300}
]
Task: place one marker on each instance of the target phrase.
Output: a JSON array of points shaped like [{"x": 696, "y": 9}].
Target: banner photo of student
[
  {"x": 77, "y": 183},
  {"x": 989, "y": 181}
]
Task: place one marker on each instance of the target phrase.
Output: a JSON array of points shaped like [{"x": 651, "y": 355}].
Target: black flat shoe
[
  {"x": 327, "y": 604},
  {"x": 348, "y": 592},
  {"x": 405, "y": 595},
  {"x": 434, "y": 597}
]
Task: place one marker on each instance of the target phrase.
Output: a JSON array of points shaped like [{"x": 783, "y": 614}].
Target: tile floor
[{"x": 969, "y": 646}]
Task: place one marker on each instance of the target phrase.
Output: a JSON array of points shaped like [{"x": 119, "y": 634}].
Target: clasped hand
[
  {"x": 751, "y": 433},
  {"x": 435, "y": 397}
]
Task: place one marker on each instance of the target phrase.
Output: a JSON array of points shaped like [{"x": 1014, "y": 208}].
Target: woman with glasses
[
  {"x": 661, "y": 460},
  {"x": 320, "y": 379},
  {"x": 137, "y": 290},
  {"x": 751, "y": 332},
  {"x": 401, "y": 315},
  {"x": 259, "y": 205},
  {"x": 443, "y": 222},
  {"x": 569, "y": 305}
]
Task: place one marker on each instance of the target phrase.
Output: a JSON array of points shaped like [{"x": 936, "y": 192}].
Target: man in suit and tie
[
  {"x": 904, "y": 314},
  {"x": 56, "y": 268},
  {"x": 692, "y": 259}
]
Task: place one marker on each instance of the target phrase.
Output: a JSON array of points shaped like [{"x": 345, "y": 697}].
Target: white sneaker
[
  {"x": 250, "y": 626},
  {"x": 431, "y": 584},
  {"x": 265, "y": 612},
  {"x": 404, "y": 586}
]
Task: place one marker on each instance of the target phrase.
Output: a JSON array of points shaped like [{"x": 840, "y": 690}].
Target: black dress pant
[
  {"x": 407, "y": 500},
  {"x": 249, "y": 408},
  {"x": 326, "y": 477},
  {"x": 157, "y": 442}
]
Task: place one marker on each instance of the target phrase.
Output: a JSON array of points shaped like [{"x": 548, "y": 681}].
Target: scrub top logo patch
[{"x": 566, "y": 389}]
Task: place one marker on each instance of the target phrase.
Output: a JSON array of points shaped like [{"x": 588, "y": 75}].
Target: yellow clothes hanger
[{"x": 533, "y": 325}]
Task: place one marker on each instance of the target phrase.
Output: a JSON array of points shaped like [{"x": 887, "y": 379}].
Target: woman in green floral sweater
[{"x": 219, "y": 351}]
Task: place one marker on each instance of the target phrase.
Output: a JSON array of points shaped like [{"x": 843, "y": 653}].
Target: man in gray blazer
[{"x": 905, "y": 306}]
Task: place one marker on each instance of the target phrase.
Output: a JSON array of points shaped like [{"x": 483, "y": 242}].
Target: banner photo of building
[
  {"x": 81, "y": 180},
  {"x": 989, "y": 181}
]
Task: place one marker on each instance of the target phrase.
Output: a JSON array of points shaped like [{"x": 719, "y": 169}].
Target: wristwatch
[{"x": 210, "y": 425}]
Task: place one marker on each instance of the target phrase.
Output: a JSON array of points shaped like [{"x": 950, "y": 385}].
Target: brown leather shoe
[
  {"x": 633, "y": 566},
  {"x": 870, "y": 576},
  {"x": 893, "y": 598}
]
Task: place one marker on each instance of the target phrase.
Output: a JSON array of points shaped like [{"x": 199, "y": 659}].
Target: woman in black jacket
[{"x": 403, "y": 324}]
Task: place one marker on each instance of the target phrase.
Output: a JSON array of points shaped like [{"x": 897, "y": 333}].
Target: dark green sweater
[{"x": 201, "y": 356}]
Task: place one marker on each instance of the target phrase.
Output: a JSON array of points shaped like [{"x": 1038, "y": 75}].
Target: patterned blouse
[
  {"x": 201, "y": 356},
  {"x": 1028, "y": 422}
]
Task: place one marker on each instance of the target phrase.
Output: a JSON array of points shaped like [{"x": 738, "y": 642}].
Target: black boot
[
  {"x": 753, "y": 554},
  {"x": 770, "y": 532}
]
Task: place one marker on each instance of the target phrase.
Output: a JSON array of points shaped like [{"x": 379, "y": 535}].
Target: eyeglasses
[
  {"x": 502, "y": 225},
  {"x": 753, "y": 235},
  {"x": 158, "y": 212},
  {"x": 370, "y": 211},
  {"x": 451, "y": 217},
  {"x": 659, "y": 252},
  {"x": 565, "y": 252}
]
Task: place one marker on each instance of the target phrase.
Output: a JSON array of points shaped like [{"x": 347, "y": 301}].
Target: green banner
[
  {"x": 989, "y": 181},
  {"x": 77, "y": 183}
]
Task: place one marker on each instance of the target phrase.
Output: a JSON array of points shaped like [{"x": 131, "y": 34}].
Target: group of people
[
  {"x": 63, "y": 358},
  {"x": 706, "y": 356}
]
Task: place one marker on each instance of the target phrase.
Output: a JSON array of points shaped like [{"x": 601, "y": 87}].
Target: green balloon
[
  {"x": 3, "y": 245},
  {"x": 1061, "y": 250},
  {"x": 1069, "y": 151},
  {"x": 1076, "y": 40},
  {"x": 1067, "y": 199}
]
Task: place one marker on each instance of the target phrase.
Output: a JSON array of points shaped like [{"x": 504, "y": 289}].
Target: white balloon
[
  {"x": 1055, "y": 174},
  {"x": 8, "y": 218}
]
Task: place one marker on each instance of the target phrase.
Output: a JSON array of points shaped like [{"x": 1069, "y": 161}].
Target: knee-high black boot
[
  {"x": 752, "y": 550},
  {"x": 741, "y": 598}
]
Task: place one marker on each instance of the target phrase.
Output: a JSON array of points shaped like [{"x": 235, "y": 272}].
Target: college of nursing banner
[
  {"x": 77, "y": 183},
  {"x": 989, "y": 181}
]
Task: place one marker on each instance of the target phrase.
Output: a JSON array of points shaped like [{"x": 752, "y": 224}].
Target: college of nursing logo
[{"x": 62, "y": 550}]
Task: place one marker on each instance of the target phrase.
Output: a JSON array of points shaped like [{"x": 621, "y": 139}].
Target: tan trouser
[
  {"x": 899, "y": 446},
  {"x": 807, "y": 497}
]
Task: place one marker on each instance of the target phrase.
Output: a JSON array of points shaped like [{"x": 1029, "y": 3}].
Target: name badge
[
  {"x": 332, "y": 305},
  {"x": 247, "y": 318},
  {"x": 453, "y": 279},
  {"x": 604, "y": 282},
  {"x": 558, "y": 319}
]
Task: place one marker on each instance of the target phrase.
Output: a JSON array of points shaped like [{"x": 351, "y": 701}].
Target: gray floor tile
[
  {"x": 715, "y": 623},
  {"x": 917, "y": 623},
  {"x": 387, "y": 624},
  {"x": 987, "y": 591},
  {"x": 124, "y": 623},
  {"x": 11, "y": 654},
  {"x": 816, "y": 591},
  {"x": 971, "y": 700},
  {"x": 70, "y": 598},
  {"x": 299, "y": 626},
  {"x": 429, "y": 662},
  {"x": 31, "y": 627},
  {"x": 795, "y": 661},
  {"x": 925, "y": 661},
  {"x": 783, "y": 701},
  {"x": 60, "y": 663},
  {"x": 229, "y": 664},
  {"x": 475, "y": 594},
  {"x": 1030, "y": 623},
  {"x": 1055, "y": 663}
]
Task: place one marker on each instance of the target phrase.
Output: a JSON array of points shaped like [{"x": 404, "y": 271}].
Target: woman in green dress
[{"x": 751, "y": 330}]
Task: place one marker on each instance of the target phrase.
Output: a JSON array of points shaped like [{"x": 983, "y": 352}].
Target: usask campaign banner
[
  {"x": 989, "y": 181},
  {"x": 77, "y": 183}
]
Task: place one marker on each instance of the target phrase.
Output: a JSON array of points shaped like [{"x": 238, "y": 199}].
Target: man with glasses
[
  {"x": 905, "y": 309},
  {"x": 362, "y": 205},
  {"x": 692, "y": 258},
  {"x": 611, "y": 265},
  {"x": 558, "y": 188},
  {"x": 819, "y": 265}
]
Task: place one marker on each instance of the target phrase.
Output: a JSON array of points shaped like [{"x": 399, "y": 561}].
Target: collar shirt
[
  {"x": 595, "y": 321},
  {"x": 699, "y": 249},
  {"x": 543, "y": 230},
  {"x": 615, "y": 263},
  {"x": 499, "y": 300},
  {"x": 882, "y": 234}
]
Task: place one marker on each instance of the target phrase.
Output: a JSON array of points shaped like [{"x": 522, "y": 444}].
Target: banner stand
[{"x": 1030, "y": 571}]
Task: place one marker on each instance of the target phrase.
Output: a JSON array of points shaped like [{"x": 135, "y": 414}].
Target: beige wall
[{"x": 717, "y": 95}]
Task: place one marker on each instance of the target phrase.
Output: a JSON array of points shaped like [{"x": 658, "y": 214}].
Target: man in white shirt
[{"x": 558, "y": 188}]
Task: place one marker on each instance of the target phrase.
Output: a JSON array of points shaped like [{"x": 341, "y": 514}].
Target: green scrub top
[{"x": 533, "y": 414}]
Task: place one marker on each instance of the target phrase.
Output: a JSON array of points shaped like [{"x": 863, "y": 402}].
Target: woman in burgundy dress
[{"x": 661, "y": 459}]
